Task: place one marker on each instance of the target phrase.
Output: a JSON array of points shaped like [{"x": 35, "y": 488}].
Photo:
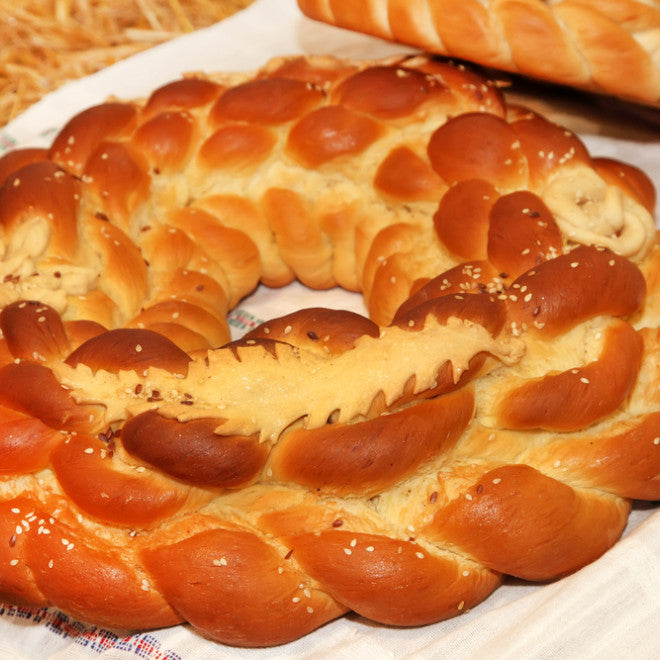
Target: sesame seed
[
  {"x": 468, "y": 496},
  {"x": 220, "y": 562},
  {"x": 420, "y": 555},
  {"x": 296, "y": 599},
  {"x": 348, "y": 551},
  {"x": 310, "y": 610},
  {"x": 138, "y": 348},
  {"x": 89, "y": 450},
  {"x": 497, "y": 480},
  {"x": 466, "y": 573},
  {"x": 584, "y": 380},
  {"x": 656, "y": 441},
  {"x": 461, "y": 605},
  {"x": 353, "y": 543},
  {"x": 370, "y": 548}
]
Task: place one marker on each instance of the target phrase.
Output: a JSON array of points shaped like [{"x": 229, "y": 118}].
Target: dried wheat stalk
[{"x": 46, "y": 43}]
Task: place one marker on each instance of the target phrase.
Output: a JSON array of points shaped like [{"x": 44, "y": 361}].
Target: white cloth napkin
[{"x": 607, "y": 610}]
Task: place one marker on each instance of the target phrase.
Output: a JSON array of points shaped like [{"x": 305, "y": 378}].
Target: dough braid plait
[
  {"x": 495, "y": 416},
  {"x": 607, "y": 46}
]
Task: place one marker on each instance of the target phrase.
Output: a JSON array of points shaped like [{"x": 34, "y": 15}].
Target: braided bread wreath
[
  {"x": 495, "y": 416},
  {"x": 605, "y": 46}
]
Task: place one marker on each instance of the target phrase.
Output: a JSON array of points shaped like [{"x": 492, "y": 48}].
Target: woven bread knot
[{"x": 495, "y": 415}]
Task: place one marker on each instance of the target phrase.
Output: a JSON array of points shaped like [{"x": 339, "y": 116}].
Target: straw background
[{"x": 46, "y": 43}]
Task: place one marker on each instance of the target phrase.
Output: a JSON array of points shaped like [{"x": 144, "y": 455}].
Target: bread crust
[
  {"x": 606, "y": 47},
  {"x": 494, "y": 416}
]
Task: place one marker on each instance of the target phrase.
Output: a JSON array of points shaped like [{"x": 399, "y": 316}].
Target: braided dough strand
[
  {"x": 495, "y": 415},
  {"x": 609, "y": 47}
]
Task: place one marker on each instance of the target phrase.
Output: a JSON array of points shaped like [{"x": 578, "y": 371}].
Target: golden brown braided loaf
[
  {"x": 495, "y": 416},
  {"x": 609, "y": 46}
]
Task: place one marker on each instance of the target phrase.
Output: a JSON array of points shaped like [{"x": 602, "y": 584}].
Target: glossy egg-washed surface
[
  {"x": 495, "y": 416},
  {"x": 607, "y": 46}
]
